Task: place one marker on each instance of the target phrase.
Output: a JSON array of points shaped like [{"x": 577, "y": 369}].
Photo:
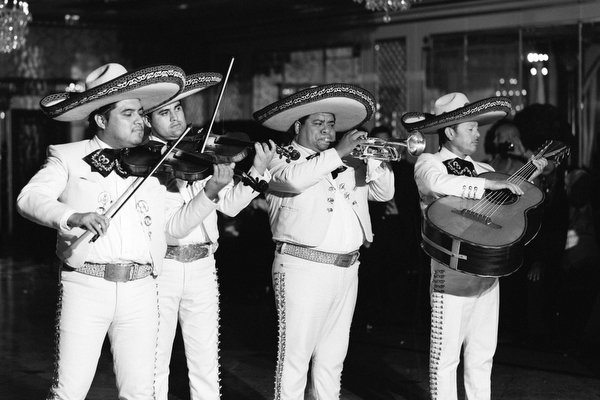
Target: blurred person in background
[
  {"x": 503, "y": 144},
  {"x": 538, "y": 123},
  {"x": 389, "y": 292}
]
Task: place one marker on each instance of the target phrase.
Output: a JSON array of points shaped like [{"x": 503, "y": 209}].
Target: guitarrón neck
[{"x": 525, "y": 172}]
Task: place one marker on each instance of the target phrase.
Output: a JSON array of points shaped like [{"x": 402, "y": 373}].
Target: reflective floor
[{"x": 386, "y": 360}]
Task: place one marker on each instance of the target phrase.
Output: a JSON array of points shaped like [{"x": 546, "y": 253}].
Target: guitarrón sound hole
[{"x": 503, "y": 197}]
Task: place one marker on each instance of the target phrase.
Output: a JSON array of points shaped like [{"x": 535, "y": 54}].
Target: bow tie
[
  {"x": 104, "y": 161},
  {"x": 335, "y": 172},
  {"x": 458, "y": 166}
]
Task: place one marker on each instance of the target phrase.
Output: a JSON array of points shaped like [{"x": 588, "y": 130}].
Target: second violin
[{"x": 188, "y": 163}]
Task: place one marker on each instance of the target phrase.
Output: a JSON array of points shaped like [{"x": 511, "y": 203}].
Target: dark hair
[
  {"x": 104, "y": 111},
  {"x": 442, "y": 138},
  {"x": 540, "y": 122}
]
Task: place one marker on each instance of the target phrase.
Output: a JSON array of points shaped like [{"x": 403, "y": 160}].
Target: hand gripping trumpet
[{"x": 389, "y": 150}]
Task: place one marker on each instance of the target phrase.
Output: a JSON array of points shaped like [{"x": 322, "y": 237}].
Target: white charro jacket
[
  {"x": 434, "y": 181},
  {"x": 66, "y": 184},
  {"x": 233, "y": 198},
  {"x": 299, "y": 194}
]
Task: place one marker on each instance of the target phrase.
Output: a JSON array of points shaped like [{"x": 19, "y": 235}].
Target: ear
[
  {"x": 297, "y": 127},
  {"x": 100, "y": 121},
  {"x": 449, "y": 132},
  {"x": 147, "y": 122}
]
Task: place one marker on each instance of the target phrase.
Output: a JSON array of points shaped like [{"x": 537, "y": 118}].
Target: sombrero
[
  {"x": 193, "y": 84},
  {"x": 454, "y": 108},
  {"x": 112, "y": 83},
  {"x": 350, "y": 104}
]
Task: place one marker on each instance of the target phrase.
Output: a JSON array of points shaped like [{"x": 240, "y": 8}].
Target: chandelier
[
  {"x": 14, "y": 17},
  {"x": 387, "y": 6}
]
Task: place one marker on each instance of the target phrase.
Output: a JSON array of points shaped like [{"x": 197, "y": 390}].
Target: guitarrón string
[{"x": 488, "y": 205}]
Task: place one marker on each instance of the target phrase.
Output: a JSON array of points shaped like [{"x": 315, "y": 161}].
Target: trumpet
[{"x": 389, "y": 150}]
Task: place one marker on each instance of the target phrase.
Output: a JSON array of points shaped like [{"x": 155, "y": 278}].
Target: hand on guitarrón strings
[{"x": 491, "y": 184}]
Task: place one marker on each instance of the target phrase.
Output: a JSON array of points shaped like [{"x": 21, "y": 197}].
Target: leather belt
[
  {"x": 306, "y": 253},
  {"x": 190, "y": 252},
  {"x": 124, "y": 272}
]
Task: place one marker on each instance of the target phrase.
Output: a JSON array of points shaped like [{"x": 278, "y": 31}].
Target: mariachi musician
[
  {"x": 107, "y": 285},
  {"x": 464, "y": 307},
  {"x": 319, "y": 214},
  {"x": 189, "y": 292}
]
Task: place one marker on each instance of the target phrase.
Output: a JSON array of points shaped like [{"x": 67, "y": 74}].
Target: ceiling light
[
  {"x": 14, "y": 17},
  {"x": 387, "y": 6}
]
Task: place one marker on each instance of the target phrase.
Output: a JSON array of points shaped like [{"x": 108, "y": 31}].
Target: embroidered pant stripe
[
  {"x": 315, "y": 304},
  {"x": 464, "y": 316},
  {"x": 189, "y": 295},
  {"x": 90, "y": 309}
]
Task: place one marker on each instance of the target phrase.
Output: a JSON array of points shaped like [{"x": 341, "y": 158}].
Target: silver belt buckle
[
  {"x": 188, "y": 253},
  {"x": 346, "y": 260},
  {"x": 118, "y": 273},
  {"x": 343, "y": 260}
]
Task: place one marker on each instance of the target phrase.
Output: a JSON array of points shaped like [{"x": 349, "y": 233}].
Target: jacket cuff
[{"x": 63, "y": 226}]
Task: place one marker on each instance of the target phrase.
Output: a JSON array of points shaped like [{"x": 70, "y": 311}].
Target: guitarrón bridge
[{"x": 483, "y": 219}]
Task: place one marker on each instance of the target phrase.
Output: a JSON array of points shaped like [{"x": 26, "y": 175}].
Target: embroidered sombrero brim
[
  {"x": 483, "y": 112},
  {"x": 194, "y": 83},
  {"x": 151, "y": 85},
  {"x": 351, "y": 106}
]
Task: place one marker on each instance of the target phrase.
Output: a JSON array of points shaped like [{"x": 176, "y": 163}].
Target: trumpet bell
[
  {"x": 415, "y": 144},
  {"x": 388, "y": 150}
]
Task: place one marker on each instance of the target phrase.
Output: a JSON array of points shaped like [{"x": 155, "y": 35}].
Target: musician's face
[
  {"x": 124, "y": 126},
  {"x": 317, "y": 132},
  {"x": 464, "y": 138},
  {"x": 168, "y": 122}
]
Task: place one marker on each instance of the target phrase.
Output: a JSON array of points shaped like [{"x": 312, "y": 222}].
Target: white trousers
[
  {"x": 464, "y": 314},
  {"x": 315, "y": 303},
  {"x": 189, "y": 294},
  {"x": 90, "y": 308}
]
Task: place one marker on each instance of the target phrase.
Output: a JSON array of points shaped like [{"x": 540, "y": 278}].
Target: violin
[{"x": 186, "y": 162}]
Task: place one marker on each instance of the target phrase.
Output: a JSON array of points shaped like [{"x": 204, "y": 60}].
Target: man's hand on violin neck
[
  {"x": 264, "y": 155},
  {"x": 349, "y": 141},
  {"x": 91, "y": 221},
  {"x": 222, "y": 175}
]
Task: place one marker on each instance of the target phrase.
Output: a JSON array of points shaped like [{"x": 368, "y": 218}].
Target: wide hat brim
[
  {"x": 194, "y": 83},
  {"x": 151, "y": 85},
  {"x": 483, "y": 112},
  {"x": 351, "y": 105}
]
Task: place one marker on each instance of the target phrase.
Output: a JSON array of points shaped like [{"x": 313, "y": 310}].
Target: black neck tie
[
  {"x": 104, "y": 161},
  {"x": 458, "y": 166}
]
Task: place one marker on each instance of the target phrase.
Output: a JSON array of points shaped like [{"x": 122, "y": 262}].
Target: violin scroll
[
  {"x": 288, "y": 152},
  {"x": 257, "y": 184}
]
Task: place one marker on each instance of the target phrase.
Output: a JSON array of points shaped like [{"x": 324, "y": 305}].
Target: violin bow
[
  {"x": 130, "y": 191},
  {"x": 214, "y": 115}
]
